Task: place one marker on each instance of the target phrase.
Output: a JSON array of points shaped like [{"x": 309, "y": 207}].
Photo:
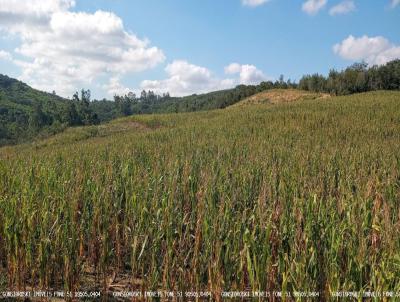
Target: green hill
[
  {"x": 18, "y": 105},
  {"x": 20, "y": 93},
  {"x": 286, "y": 196},
  {"x": 27, "y": 113}
]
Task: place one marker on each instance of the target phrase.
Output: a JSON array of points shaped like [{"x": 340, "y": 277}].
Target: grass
[
  {"x": 299, "y": 196},
  {"x": 277, "y": 96}
]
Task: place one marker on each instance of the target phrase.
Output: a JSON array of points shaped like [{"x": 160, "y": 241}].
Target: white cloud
[
  {"x": 248, "y": 74},
  {"x": 254, "y": 3},
  {"x": 4, "y": 55},
  {"x": 16, "y": 15},
  {"x": 394, "y": 3},
  {"x": 34, "y": 7},
  {"x": 65, "y": 50},
  {"x": 185, "y": 78},
  {"x": 233, "y": 68},
  {"x": 344, "y": 7},
  {"x": 312, "y": 7},
  {"x": 114, "y": 87},
  {"x": 373, "y": 50}
]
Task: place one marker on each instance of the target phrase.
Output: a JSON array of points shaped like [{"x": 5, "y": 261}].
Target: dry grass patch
[{"x": 276, "y": 96}]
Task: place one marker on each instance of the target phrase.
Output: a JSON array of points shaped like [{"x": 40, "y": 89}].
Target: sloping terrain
[
  {"x": 24, "y": 110},
  {"x": 27, "y": 114},
  {"x": 301, "y": 195},
  {"x": 276, "y": 96},
  {"x": 20, "y": 93}
]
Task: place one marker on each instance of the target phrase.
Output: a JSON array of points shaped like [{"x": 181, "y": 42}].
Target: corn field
[{"x": 291, "y": 197}]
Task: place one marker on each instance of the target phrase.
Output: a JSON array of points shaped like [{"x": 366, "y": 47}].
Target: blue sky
[{"x": 184, "y": 47}]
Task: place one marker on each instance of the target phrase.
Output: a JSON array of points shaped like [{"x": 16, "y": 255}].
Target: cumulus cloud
[
  {"x": 248, "y": 74},
  {"x": 342, "y": 8},
  {"x": 185, "y": 78},
  {"x": 233, "y": 68},
  {"x": 63, "y": 50},
  {"x": 4, "y": 55},
  {"x": 17, "y": 16},
  {"x": 254, "y": 3},
  {"x": 312, "y": 7},
  {"x": 115, "y": 87},
  {"x": 34, "y": 7},
  {"x": 373, "y": 50}
]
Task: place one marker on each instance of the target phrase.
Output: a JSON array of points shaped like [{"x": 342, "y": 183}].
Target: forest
[{"x": 354, "y": 79}]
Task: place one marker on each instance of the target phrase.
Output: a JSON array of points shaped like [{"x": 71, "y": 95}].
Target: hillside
[
  {"x": 20, "y": 93},
  {"x": 147, "y": 122},
  {"x": 276, "y": 96},
  {"x": 295, "y": 195},
  {"x": 27, "y": 114},
  {"x": 207, "y": 101},
  {"x": 18, "y": 105}
]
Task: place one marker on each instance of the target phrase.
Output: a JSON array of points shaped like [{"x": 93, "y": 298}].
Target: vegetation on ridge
[
  {"x": 357, "y": 78},
  {"x": 26, "y": 113}
]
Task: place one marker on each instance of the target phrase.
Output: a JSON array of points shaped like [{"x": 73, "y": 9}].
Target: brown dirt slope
[{"x": 276, "y": 96}]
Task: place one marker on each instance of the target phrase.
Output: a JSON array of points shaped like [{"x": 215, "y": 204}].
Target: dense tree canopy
[{"x": 356, "y": 78}]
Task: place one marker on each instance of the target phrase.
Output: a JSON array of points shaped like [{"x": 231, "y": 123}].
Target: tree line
[
  {"x": 355, "y": 79},
  {"x": 149, "y": 102}
]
